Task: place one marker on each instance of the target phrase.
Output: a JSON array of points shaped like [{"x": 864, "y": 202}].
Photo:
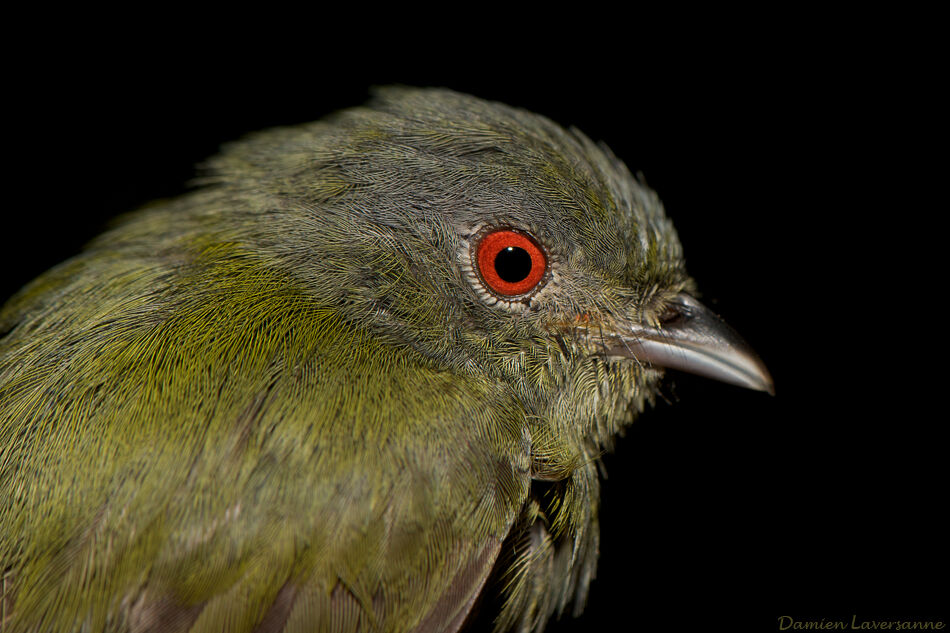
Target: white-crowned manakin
[{"x": 368, "y": 366}]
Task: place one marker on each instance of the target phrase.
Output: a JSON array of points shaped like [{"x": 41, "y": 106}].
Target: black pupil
[{"x": 513, "y": 264}]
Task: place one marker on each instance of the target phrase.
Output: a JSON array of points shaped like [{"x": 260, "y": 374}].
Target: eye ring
[{"x": 510, "y": 262}]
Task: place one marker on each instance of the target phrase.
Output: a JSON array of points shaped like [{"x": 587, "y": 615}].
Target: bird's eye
[{"x": 510, "y": 262}]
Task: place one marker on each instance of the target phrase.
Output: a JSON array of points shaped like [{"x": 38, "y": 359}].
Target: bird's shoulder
[{"x": 254, "y": 452}]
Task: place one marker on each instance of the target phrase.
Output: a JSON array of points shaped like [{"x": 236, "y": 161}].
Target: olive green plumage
[{"x": 285, "y": 401}]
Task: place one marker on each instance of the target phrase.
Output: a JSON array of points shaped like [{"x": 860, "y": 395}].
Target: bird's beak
[{"x": 696, "y": 340}]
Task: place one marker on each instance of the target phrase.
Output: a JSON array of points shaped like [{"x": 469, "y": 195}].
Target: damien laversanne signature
[{"x": 788, "y": 623}]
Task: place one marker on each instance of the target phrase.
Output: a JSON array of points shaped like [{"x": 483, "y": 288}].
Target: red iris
[{"x": 510, "y": 262}]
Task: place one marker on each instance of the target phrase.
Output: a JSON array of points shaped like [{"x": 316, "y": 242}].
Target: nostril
[{"x": 671, "y": 314}]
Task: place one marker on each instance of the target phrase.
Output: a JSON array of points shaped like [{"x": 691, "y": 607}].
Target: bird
[{"x": 359, "y": 379}]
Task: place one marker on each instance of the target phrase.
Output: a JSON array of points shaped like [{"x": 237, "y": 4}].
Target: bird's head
[{"x": 491, "y": 241}]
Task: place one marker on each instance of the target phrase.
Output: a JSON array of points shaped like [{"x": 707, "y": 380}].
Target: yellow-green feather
[{"x": 243, "y": 399}]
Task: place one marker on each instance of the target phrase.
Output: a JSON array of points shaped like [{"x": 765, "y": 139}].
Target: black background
[{"x": 774, "y": 152}]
